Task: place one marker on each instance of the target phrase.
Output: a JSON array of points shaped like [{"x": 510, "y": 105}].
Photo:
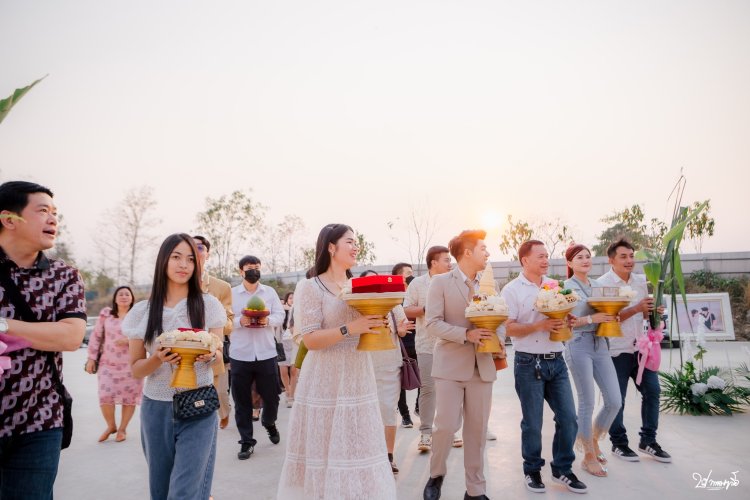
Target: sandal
[
  {"x": 594, "y": 469},
  {"x": 457, "y": 442},
  {"x": 601, "y": 458}
]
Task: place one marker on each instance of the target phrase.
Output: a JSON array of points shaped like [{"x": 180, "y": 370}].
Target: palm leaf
[{"x": 8, "y": 103}]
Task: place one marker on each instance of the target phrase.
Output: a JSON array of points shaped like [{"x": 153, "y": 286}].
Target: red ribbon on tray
[{"x": 649, "y": 352}]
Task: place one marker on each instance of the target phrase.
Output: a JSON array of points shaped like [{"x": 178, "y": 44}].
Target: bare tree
[
  {"x": 126, "y": 233},
  {"x": 552, "y": 233},
  {"x": 420, "y": 227},
  {"x": 291, "y": 228},
  {"x": 228, "y": 222}
]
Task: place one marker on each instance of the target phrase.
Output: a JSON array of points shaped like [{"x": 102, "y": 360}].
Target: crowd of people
[{"x": 342, "y": 426}]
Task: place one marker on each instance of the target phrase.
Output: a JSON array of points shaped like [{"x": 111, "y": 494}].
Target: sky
[{"x": 362, "y": 112}]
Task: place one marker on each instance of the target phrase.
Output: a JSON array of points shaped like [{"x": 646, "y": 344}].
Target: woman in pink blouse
[{"x": 116, "y": 385}]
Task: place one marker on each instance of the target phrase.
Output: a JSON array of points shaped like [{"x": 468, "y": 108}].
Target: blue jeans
[
  {"x": 589, "y": 361},
  {"x": 180, "y": 453},
  {"x": 626, "y": 365},
  {"x": 28, "y": 465},
  {"x": 554, "y": 387}
]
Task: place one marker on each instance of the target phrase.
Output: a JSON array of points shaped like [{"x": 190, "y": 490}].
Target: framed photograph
[{"x": 707, "y": 316}]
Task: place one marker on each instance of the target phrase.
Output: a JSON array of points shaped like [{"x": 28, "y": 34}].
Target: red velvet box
[{"x": 378, "y": 284}]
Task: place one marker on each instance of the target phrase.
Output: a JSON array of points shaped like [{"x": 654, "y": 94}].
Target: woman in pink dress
[{"x": 116, "y": 384}]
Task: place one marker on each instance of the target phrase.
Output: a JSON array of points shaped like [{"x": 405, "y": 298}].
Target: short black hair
[
  {"x": 14, "y": 195},
  {"x": 249, "y": 259},
  {"x": 621, "y": 242},
  {"x": 367, "y": 272},
  {"x": 398, "y": 267},
  {"x": 205, "y": 242}
]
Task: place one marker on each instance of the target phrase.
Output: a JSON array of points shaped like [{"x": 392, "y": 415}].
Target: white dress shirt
[
  {"x": 520, "y": 296},
  {"x": 632, "y": 328},
  {"x": 255, "y": 344},
  {"x": 416, "y": 296}
]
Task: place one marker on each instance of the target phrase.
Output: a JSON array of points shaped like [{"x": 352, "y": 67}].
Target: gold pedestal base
[
  {"x": 375, "y": 341},
  {"x": 491, "y": 345},
  {"x": 611, "y": 307},
  {"x": 564, "y": 333},
  {"x": 184, "y": 376}
]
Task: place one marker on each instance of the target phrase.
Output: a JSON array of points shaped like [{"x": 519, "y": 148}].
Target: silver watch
[
  {"x": 589, "y": 320},
  {"x": 3, "y": 325}
]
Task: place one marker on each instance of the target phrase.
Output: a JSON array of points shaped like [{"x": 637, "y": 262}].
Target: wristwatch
[
  {"x": 3, "y": 325},
  {"x": 345, "y": 331},
  {"x": 589, "y": 320}
]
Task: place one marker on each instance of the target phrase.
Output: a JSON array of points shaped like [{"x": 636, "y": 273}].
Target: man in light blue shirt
[{"x": 252, "y": 356}]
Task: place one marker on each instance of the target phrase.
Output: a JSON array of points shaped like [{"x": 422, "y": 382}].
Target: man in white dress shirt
[
  {"x": 540, "y": 374},
  {"x": 622, "y": 349},
  {"x": 253, "y": 356}
]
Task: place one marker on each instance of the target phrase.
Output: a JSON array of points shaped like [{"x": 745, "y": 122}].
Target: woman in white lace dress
[{"x": 336, "y": 447}]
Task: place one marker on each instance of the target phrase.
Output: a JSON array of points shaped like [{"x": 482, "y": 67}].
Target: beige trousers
[
  {"x": 221, "y": 382},
  {"x": 470, "y": 401}
]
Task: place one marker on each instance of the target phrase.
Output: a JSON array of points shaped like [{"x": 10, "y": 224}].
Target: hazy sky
[{"x": 348, "y": 111}]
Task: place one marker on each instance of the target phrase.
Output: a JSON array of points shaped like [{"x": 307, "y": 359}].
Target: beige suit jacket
[
  {"x": 223, "y": 292},
  {"x": 454, "y": 357}
]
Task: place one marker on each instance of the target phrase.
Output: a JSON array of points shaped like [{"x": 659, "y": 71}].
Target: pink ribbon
[
  {"x": 649, "y": 352},
  {"x": 9, "y": 344}
]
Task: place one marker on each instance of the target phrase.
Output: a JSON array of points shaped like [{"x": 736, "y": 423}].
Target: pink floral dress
[{"x": 116, "y": 384}]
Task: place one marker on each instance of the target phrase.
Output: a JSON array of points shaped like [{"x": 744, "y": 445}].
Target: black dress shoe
[
  {"x": 477, "y": 497},
  {"x": 432, "y": 488}
]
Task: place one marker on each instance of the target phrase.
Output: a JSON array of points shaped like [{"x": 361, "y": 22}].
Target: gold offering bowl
[
  {"x": 380, "y": 306},
  {"x": 184, "y": 376},
  {"x": 490, "y": 322},
  {"x": 564, "y": 333},
  {"x": 611, "y": 306}
]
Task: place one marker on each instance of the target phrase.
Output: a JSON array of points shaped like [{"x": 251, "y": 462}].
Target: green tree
[
  {"x": 701, "y": 227},
  {"x": 552, "y": 233},
  {"x": 629, "y": 223},
  {"x": 228, "y": 222},
  {"x": 366, "y": 252},
  {"x": 513, "y": 235}
]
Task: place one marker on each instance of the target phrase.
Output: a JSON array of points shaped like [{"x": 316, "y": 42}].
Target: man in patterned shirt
[{"x": 31, "y": 411}]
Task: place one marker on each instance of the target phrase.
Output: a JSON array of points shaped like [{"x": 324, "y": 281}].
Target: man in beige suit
[
  {"x": 463, "y": 377},
  {"x": 222, "y": 291}
]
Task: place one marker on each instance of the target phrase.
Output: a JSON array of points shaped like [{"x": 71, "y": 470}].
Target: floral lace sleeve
[
  {"x": 216, "y": 316},
  {"x": 134, "y": 324},
  {"x": 308, "y": 305}
]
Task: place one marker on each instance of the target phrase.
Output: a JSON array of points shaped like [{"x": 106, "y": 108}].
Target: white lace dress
[{"x": 335, "y": 444}]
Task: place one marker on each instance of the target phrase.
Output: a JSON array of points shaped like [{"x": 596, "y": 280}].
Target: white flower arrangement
[
  {"x": 715, "y": 382},
  {"x": 626, "y": 291},
  {"x": 699, "y": 388},
  {"x": 202, "y": 337},
  {"x": 553, "y": 297},
  {"x": 488, "y": 303}
]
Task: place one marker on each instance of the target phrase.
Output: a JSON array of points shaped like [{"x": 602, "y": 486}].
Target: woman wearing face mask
[
  {"x": 180, "y": 453},
  {"x": 336, "y": 447},
  {"x": 589, "y": 362}
]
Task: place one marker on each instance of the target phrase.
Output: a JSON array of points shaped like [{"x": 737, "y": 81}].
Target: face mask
[{"x": 252, "y": 276}]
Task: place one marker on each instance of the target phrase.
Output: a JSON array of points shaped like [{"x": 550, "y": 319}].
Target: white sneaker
[
  {"x": 491, "y": 436},
  {"x": 425, "y": 443}
]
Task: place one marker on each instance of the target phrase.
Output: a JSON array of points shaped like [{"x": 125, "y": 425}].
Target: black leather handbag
[
  {"x": 280, "y": 354},
  {"x": 195, "y": 403}
]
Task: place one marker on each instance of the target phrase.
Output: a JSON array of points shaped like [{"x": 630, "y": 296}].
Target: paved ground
[{"x": 699, "y": 445}]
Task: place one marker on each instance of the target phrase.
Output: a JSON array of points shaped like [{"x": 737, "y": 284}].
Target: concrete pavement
[{"x": 699, "y": 446}]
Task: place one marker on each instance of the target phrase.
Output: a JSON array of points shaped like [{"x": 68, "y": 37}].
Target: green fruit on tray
[{"x": 256, "y": 304}]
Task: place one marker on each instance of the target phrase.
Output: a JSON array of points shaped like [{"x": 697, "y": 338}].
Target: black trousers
[
  {"x": 403, "y": 409},
  {"x": 265, "y": 375}
]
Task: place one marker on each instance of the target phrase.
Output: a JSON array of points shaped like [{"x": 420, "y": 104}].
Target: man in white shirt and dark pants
[
  {"x": 253, "y": 356},
  {"x": 622, "y": 259},
  {"x": 540, "y": 374}
]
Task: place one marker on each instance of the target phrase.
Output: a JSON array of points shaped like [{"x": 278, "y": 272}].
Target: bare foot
[
  {"x": 121, "y": 436},
  {"x": 105, "y": 435}
]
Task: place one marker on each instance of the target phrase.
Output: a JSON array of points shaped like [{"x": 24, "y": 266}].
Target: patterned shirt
[{"x": 53, "y": 291}]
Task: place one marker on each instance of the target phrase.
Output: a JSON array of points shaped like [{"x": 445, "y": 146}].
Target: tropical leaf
[
  {"x": 683, "y": 217},
  {"x": 8, "y": 103}
]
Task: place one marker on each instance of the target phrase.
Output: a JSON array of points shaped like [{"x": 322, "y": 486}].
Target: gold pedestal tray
[
  {"x": 380, "y": 306},
  {"x": 611, "y": 306},
  {"x": 184, "y": 376},
  {"x": 564, "y": 333},
  {"x": 490, "y": 322}
]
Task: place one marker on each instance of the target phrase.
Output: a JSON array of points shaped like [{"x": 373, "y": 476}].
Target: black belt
[{"x": 546, "y": 355}]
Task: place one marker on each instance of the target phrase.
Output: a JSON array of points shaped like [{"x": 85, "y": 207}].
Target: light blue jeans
[
  {"x": 589, "y": 361},
  {"x": 180, "y": 453}
]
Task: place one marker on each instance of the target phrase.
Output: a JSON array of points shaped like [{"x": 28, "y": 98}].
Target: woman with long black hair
[
  {"x": 336, "y": 447},
  {"x": 180, "y": 453}
]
